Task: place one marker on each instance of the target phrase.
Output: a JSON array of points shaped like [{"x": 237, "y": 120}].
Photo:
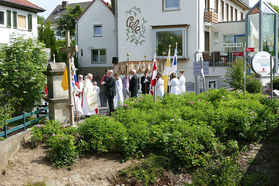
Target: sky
[{"x": 49, "y": 5}]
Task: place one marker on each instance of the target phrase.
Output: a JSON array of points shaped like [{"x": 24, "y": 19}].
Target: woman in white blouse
[{"x": 160, "y": 90}]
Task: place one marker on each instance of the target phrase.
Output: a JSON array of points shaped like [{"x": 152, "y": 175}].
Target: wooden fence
[{"x": 41, "y": 113}]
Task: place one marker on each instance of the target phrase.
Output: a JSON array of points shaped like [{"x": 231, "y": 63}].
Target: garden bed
[{"x": 201, "y": 136}]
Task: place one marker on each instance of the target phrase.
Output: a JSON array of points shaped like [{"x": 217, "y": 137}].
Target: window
[
  {"x": 222, "y": 8},
  {"x": 235, "y": 14},
  {"x": 99, "y": 56},
  {"x": 242, "y": 16},
  {"x": 2, "y": 22},
  {"x": 212, "y": 84},
  {"x": 227, "y": 9},
  {"x": 21, "y": 21},
  {"x": 207, "y": 4},
  {"x": 228, "y": 39},
  {"x": 171, "y": 4},
  {"x": 98, "y": 30},
  {"x": 30, "y": 22},
  {"x": 171, "y": 36},
  {"x": 81, "y": 52},
  {"x": 217, "y": 6},
  {"x": 15, "y": 19},
  {"x": 9, "y": 18}
]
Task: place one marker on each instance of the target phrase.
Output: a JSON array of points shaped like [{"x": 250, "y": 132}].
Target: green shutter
[
  {"x": 9, "y": 19},
  {"x": 15, "y": 19},
  {"x": 29, "y": 22}
]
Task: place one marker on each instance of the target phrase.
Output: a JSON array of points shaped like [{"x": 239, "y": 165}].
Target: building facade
[
  {"x": 18, "y": 18},
  {"x": 96, "y": 38},
  {"x": 196, "y": 25}
]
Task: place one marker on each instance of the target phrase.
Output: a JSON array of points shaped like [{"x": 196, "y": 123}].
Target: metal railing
[{"x": 40, "y": 112}]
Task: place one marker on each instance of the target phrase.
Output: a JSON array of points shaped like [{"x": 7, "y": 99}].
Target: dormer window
[{"x": 171, "y": 4}]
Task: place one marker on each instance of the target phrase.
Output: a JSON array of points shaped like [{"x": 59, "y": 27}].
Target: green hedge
[{"x": 189, "y": 130}]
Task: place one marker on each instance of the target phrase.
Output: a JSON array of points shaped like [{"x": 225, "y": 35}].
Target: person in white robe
[
  {"x": 174, "y": 83},
  {"x": 119, "y": 98},
  {"x": 90, "y": 100},
  {"x": 182, "y": 82},
  {"x": 78, "y": 88},
  {"x": 160, "y": 89},
  {"x": 98, "y": 92}
]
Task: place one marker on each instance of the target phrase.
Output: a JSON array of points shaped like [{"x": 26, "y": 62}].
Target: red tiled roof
[
  {"x": 106, "y": 4},
  {"x": 25, "y": 4}
]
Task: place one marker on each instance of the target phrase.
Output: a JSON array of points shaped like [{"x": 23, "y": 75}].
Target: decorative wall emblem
[{"x": 135, "y": 26}]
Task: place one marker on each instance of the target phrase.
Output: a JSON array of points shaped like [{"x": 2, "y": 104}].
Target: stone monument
[{"x": 58, "y": 99}]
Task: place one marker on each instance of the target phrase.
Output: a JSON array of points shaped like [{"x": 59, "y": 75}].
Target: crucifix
[{"x": 70, "y": 52}]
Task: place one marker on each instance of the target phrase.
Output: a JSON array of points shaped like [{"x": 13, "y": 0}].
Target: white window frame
[
  {"x": 170, "y": 9},
  {"x": 5, "y": 22},
  {"x": 96, "y": 35},
  {"x": 185, "y": 40},
  {"x": 99, "y": 56},
  {"x": 26, "y": 22}
]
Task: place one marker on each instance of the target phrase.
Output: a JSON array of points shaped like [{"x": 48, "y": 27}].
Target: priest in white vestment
[
  {"x": 90, "y": 100},
  {"x": 174, "y": 83},
  {"x": 182, "y": 82},
  {"x": 160, "y": 89},
  {"x": 119, "y": 98}
]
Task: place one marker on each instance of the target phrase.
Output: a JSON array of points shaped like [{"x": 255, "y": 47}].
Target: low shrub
[
  {"x": 276, "y": 83},
  {"x": 62, "y": 151},
  {"x": 41, "y": 133},
  {"x": 101, "y": 135},
  {"x": 253, "y": 85},
  {"x": 220, "y": 171},
  {"x": 147, "y": 171}
]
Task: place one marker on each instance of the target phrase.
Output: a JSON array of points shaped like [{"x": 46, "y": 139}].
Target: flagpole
[
  {"x": 168, "y": 91},
  {"x": 154, "y": 88}
]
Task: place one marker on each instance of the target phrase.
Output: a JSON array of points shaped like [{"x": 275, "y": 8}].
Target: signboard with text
[
  {"x": 197, "y": 68},
  {"x": 232, "y": 45},
  {"x": 261, "y": 63},
  {"x": 250, "y": 49},
  {"x": 236, "y": 54}
]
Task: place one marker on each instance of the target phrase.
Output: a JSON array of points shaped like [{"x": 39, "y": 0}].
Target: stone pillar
[{"x": 58, "y": 99}]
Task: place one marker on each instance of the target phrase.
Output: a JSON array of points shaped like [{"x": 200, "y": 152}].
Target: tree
[
  {"x": 67, "y": 22},
  {"x": 22, "y": 65},
  {"x": 235, "y": 75},
  {"x": 47, "y": 36},
  {"x": 41, "y": 20}
]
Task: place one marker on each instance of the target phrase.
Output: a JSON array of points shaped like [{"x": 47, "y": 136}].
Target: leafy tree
[
  {"x": 41, "y": 20},
  {"x": 235, "y": 75},
  {"x": 67, "y": 22},
  {"x": 22, "y": 65},
  {"x": 47, "y": 36}
]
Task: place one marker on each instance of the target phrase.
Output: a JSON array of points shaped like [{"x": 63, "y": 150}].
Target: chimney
[{"x": 64, "y": 4}]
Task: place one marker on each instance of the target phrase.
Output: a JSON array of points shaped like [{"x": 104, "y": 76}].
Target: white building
[
  {"x": 18, "y": 17},
  {"x": 197, "y": 25},
  {"x": 96, "y": 38}
]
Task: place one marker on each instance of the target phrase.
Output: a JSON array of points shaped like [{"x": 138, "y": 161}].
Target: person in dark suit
[
  {"x": 133, "y": 88},
  {"x": 145, "y": 83},
  {"x": 109, "y": 84}
]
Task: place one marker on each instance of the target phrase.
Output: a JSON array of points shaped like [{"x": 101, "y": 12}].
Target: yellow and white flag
[
  {"x": 64, "y": 82},
  {"x": 167, "y": 72}
]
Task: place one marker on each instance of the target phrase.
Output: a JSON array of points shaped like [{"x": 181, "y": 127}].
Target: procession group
[{"x": 87, "y": 93}]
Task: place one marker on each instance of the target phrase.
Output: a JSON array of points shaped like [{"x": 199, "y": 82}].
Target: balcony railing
[
  {"x": 216, "y": 59},
  {"x": 210, "y": 16}
]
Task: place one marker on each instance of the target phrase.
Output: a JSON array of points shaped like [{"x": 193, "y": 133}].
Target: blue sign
[{"x": 197, "y": 68}]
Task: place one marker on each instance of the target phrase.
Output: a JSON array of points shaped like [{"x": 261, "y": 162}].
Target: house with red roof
[
  {"x": 96, "y": 38},
  {"x": 18, "y": 18}
]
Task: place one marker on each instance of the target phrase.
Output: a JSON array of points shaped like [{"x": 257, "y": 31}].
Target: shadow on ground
[{"x": 264, "y": 168}]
